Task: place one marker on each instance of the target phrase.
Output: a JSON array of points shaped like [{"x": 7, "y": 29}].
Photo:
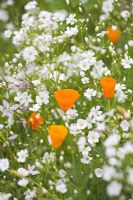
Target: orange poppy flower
[
  {"x": 108, "y": 86},
  {"x": 113, "y": 35},
  {"x": 35, "y": 120},
  {"x": 57, "y": 134},
  {"x": 66, "y": 98}
]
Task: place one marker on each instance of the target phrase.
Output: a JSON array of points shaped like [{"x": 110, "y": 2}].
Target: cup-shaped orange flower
[
  {"x": 66, "y": 98},
  {"x": 35, "y": 120},
  {"x": 57, "y": 134},
  {"x": 113, "y": 34},
  {"x": 108, "y": 85}
]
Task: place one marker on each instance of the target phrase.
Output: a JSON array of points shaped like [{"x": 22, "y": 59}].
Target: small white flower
[
  {"x": 89, "y": 93},
  {"x": 81, "y": 124},
  {"x": 124, "y": 125},
  {"x": 29, "y": 54},
  {"x": 31, "y": 5},
  {"x": 23, "y": 182},
  {"x": 108, "y": 173},
  {"x": 22, "y": 155},
  {"x": 93, "y": 137},
  {"x": 5, "y": 196},
  {"x": 127, "y": 62},
  {"x": 112, "y": 140},
  {"x": 71, "y": 113},
  {"x": 4, "y": 164},
  {"x": 114, "y": 189},
  {"x": 98, "y": 172},
  {"x": 62, "y": 173},
  {"x": 61, "y": 187},
  {"x": 48, "y": 157},
  {"x": 30, "y": 194},
  {"x": 23, "y": 171}
]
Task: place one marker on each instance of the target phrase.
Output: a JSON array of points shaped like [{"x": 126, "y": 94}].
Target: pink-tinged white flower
[{"x": 8, "y": 110}]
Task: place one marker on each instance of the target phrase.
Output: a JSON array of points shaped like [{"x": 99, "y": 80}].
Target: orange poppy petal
[
  {"x": 35, "y": 121},
  {"x": 113, "y": 35},
  {"x": 66, "y": 98},
  {"x": 57, "y": 135},
  {"x": 108, "y": 86}
]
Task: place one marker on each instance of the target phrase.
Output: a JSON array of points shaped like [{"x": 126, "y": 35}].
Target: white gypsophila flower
[
  {"x": 97, "y": 70},
  {"x": 4, "y": 164},
  {"x": 35, "y": 108},
  {"x": 89, "y": 93},
  {"x": 85, "y": 80},
  {"x": 23, "y": 182},
  {"x": 71, "y": 19},
  {"x": 86, "y": 159},
  {"x": 23, "y": 171},
  {"x": 107, "y": 6},
  {"x": 127, "y": 62},
  {"x": 110, "y": 151},
  {"x": 22, "y": 155},
  {"x": 61, "y": 186},
  {"x": 81, "y": 124},
  {"x": 62, "y": 173},
  {"x": 7, "y": 33},
  {"x": 112, "y": 140},
  {"x": 68, "y": 165},
  {"x": 130, "y": 43},
  {"x": 109, "y": 172},
  {"x": 74, "y": 129},
  {"x": 98, "y": 172},
  {"x": 114, "y": 189},
  {"x": 125, "y": 14},
  {"x": 30, "y": 194},
  {"x": 31, "y": 5},
  {"x": 127, "y": 148},
  {"x": 95, "y": 115},
  {"x": 71, "y": 114},
  {"x": 24, "y": 98},
  {"x": 32, "y": 171},
  {"x": 42, "y": 98},
  {"x": 93, "y": 137},
  {"x": 81, "y": 143},
  {"x": 5, "y": 196},
  {"x": 30, "y": 54},
  {"x": 125, "y": 125},
  {"x": 71, "y": 31},
  {"x": 48, "y": 157}
]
